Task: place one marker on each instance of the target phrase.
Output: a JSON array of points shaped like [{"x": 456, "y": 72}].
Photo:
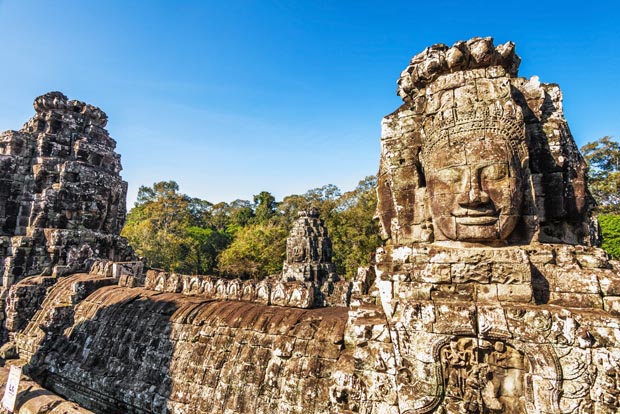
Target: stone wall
[
  {"x": 135, "y": 350},
  {"x": 534, "y": 327},
  {"x": 269, "y": 291},
  {"x": 34, "y": 399},
  {"x": 514, "y": 329}
]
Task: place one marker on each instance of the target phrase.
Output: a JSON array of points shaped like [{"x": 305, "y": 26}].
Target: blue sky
[{"x": 233, "y": 98}]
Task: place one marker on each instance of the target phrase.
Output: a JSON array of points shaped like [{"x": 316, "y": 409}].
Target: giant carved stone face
[{"x": 474, "y": 186}]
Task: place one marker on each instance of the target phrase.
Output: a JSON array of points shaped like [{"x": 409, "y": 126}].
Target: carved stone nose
[{"x": 476, "y": 195}]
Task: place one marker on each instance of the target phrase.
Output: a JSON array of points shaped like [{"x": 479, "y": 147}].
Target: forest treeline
[
  {"x": 603, "y": 157},
  {"x": 244, "y": 238}
]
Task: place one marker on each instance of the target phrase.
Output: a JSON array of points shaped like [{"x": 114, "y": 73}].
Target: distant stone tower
[
  {"x": 308, "y": 251},
  {"x": 62, "y": 200}
]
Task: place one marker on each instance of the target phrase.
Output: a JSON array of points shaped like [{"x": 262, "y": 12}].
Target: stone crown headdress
[
  {"x": 58, "y": 102},
  {"x": 455, "y": 126},
  {"x": 439, "y": 59},
  {"x": 476, "y": 105}
]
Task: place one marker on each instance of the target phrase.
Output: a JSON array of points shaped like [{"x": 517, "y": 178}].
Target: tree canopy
[
  {"x": 610, "y": 227},
  {"x": 173, "y": 231},
  {"x": 603, "y": 157},
  {"x": 246, "y": 238},
  {"x": 257, "y": 250}
]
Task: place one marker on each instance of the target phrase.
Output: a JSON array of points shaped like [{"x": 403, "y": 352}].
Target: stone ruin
[
  {"x": 309, "y": 262},
  {"x": 308, "y": 251},
  {"x": 494, "y": 296},
  {"x": 461, "y": 105},
  {"x": 62, "y": 200},
  {"x": 489, "y": 294}
]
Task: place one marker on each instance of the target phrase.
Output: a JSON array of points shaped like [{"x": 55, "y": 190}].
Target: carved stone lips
[{"x": 480, "y": 220}]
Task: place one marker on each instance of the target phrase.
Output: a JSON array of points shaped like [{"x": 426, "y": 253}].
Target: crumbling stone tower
[
  {"x": 62, "y": 200},
  {"x": 495, "y": 296}
]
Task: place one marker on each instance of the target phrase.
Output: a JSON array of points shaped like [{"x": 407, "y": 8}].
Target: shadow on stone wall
[
  {"x": 115, "y": 357},
  {"x": 540, "y": 286},
  {"x": 134, "y": 350}
]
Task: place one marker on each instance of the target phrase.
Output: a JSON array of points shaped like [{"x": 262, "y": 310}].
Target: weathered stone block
[
  {"x": 492, "y": 322},
  {"x": 470, "y": 272},
  {"x": 612, "y": 304},
  {"x": 433, "y": 273},
  {"x": 576, "y": 300},
  {"x": 509, "y": 273},
  {"x": 414, "y": 290},
  {"x": 460, "y": 292},
  {"x": 593, "y": 258},
  {"x": 515, "y": 293},
  {"x": 574, "y": 281},
  {"x": 609, "y": 283},
  {"x": 455, "y": 318},
  {"x": 487, "y": 293}
]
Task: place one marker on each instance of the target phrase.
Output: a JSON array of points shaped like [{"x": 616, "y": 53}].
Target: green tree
[
  {"x": 610, "y": 227},
  {"x": 155, "y": 226},
  {"x": 202, "y": 246},
  {"x": 324, "y": 199},
  {"x": 173, "y": 231},
  {"x": 241, "y": 214},
  {"x": 258, "y": 250},
  {"x": 201, "y": 211},
  {"x": 231, "y": 217},
  {"x": 288, "y": 209},
  {"x": 603, "y": 157},
  {"x": 354, "y": 232},
  {"x": 264, "y": 207}
]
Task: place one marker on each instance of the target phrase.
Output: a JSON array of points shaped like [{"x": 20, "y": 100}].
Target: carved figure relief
[
  {"x": 296, "y": 252},
  {"x": 483, "y": 377},
  {"x": 610, "y": 389}
]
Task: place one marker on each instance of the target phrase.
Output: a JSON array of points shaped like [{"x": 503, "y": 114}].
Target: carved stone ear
[{"x": 422, "y": 225}]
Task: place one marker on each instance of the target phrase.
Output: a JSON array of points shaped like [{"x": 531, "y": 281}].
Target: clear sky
[{"x": 230, "y": 98}]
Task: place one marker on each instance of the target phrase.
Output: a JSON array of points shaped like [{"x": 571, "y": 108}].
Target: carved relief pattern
[{"x": 483, "y": 377}]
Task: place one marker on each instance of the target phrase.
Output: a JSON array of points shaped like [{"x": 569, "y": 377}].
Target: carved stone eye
[
  {"x": 451, "y": 174},
  {"x": 494, "y": 172}
]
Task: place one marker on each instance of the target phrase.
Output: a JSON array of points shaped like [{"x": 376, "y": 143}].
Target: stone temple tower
[
  {"x": 308, "y": 251},
  {"x": 62, "y": 199}
]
